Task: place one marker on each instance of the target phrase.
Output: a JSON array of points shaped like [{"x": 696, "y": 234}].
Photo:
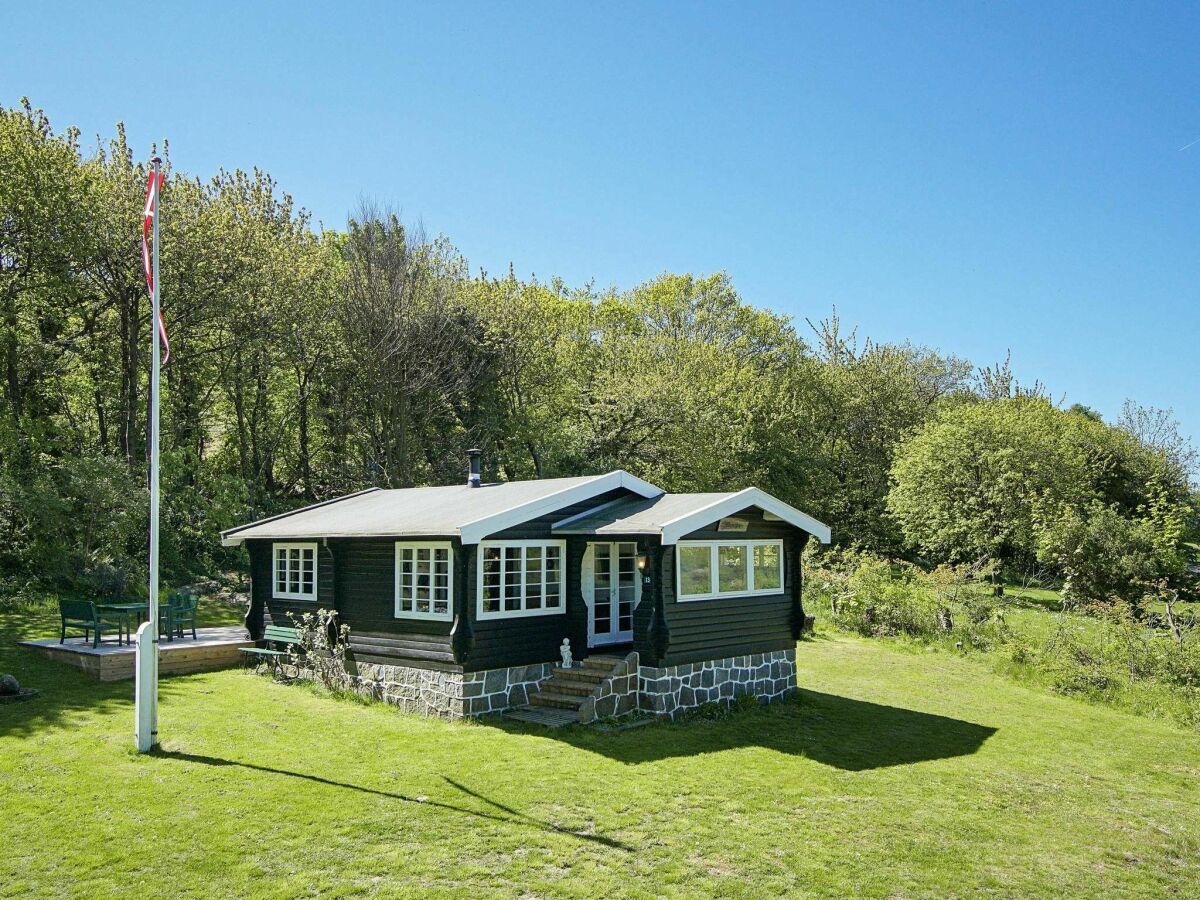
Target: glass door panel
[{"x": 614, "y": 592}]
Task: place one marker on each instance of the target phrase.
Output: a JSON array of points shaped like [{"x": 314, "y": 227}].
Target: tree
[
  {"x": 1156, "y": 429},
  {"x": 1102, "y": 555},
  {"x": 858, "y": 404},
  {"x": 972, "y": 482},
  {"x": 413, "y": 357}
]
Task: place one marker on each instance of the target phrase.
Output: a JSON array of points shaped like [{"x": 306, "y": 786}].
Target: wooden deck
[{"x": 214, "y": 648}]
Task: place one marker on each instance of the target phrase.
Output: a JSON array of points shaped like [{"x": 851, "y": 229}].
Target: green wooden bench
[
  {"x": 275, "y": 636},
  {"x": 83, "y": 614}
]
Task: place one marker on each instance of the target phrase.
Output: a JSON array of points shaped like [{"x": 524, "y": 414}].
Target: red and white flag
[{"x": 153, "y": 189}]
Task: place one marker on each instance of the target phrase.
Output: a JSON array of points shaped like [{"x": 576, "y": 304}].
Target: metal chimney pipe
[{"x": 473, "y": 474}]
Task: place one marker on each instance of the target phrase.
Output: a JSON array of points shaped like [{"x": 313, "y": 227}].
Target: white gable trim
[
  {"x": 562, "y": 523},
  {"x": 230, "y": 538},
  {"x": 474, "y": 532},
  {"x": 673, "y": 530}
]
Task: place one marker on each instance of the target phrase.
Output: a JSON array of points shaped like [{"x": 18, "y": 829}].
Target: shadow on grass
[
  {"x": 854, "y": 735},
  {"x": 512, "y": 816},
  {"x": 66, "y": 692}
]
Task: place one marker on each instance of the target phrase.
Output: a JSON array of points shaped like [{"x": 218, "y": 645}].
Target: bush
[
  {"x": 876, "y": 597},
  {"x": 1103, "y": 651}
]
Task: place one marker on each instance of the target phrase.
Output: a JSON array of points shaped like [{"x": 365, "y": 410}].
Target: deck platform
[{"x": 214, "y": 648}]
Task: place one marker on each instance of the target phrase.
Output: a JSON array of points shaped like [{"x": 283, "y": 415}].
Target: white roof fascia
[
  {"x": 562, "y": 523},
  {"x": 229, "y": 536},
  {"x": 474, "y": 532},
  {"x": 673, "y": 530}
]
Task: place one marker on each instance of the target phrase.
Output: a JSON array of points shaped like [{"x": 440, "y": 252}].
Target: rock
[{"x": 9, "y": 685}]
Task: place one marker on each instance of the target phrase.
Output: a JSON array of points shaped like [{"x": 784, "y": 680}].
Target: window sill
[
  {"x": 731, "y": 595},
  {"x": 423, "y": 617},
  {"x": 482, "y": 616}
]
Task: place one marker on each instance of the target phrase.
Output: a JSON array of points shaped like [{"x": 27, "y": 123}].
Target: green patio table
[{"x": 126, "y": 611}]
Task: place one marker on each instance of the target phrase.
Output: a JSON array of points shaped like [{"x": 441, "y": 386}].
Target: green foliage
[
  {"x": 1020, "y": 481},
  {"x": 308, "y": 364},
  {"x": 1108, "y": 652},
  {"x": 877, "y": 597},
  {"x": 970, "y": 483},
  {"x": 1102, "y": 555}
]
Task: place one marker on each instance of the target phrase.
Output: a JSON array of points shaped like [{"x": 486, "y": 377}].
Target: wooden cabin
[{"x": 459, "y": 599}]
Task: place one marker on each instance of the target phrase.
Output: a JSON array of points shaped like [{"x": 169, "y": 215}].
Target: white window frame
[
  {"x": 502, "y": 613},
  {"x": 714, "y": 576},
  {"x": 414, "y": 613},
  {"x": 295, "y": 595}
]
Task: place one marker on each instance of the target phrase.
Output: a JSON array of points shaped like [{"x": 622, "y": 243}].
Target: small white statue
[{"x": 565, "y": 650}]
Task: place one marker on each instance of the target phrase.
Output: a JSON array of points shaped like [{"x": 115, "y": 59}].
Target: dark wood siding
[
  {"x": 265, "y": 608},
  {"x": 733, "y": 625},
  {"x": 525, "y": 640},
  {"x": 366, "y": 590},
  {"x": 356, "y": 578}
]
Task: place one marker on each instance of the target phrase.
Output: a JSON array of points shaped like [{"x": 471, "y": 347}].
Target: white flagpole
[{"x": 146, "y": 687}]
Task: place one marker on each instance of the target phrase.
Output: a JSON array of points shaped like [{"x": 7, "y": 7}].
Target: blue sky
[{"x": 974, "y": 177}]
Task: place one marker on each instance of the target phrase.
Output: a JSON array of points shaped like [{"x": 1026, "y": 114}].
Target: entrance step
[
  {"x": 602, "y": 664},
  {"x": 550, "y": 695},
  {"x": 582, "y": 692},
  {"x": 549, "y": 716}
]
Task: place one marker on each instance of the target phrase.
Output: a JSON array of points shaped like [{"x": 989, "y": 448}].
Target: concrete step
[
  {"x": 591, "y": 676},
  {"x": 602, "y": 663},
  {"x": 557, "y": 699},
  {"x": 549, "y": 716},
  {"x": 568, "y": 686}
]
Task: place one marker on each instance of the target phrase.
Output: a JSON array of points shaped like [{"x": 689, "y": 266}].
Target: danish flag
[{"x": 153, "y": 189}]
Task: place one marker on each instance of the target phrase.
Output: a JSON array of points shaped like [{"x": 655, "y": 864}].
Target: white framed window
[
  {"x": 295, "y": 570},
  {"x": 424, "y": 580},
  {"x": 521, "y": 578},
  {"x": 707, "y": 569}
]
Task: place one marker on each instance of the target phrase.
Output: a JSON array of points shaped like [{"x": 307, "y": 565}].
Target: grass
[{"x": 893, "y": 774}]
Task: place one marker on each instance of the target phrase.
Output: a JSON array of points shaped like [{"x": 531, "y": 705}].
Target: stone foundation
[
  {"x": 671, "y": 690},
  {"x": 495, "y": 690},
  {"x": 446, "y": 695},
  {"x": 661, "y": 691}
]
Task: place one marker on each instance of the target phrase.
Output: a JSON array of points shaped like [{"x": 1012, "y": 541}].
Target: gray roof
[
  {"x": 474, "y": 513},
  {"x": 471, "y": 513}
]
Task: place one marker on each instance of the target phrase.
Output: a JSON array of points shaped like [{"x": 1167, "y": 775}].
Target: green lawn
[{"x": 894, "y": 774}]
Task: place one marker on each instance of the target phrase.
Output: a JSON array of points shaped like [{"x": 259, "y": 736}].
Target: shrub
[
  {"x": 1103, "y": 651},
  {"x": 321, "y": 653},
  {"x": 876, "y": 597}
]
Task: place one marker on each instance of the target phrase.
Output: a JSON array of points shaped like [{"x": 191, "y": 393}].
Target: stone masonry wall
[
  {"x": 447, "y": 695},
  {"x": 661, "y": 691},
  {"x": 616, "y": 695},
  {"x": 671, "y": 690},
  {"x": 495, "y": 690}
]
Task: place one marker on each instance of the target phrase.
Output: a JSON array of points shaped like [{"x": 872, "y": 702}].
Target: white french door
[{"x": 612, "y": 591}]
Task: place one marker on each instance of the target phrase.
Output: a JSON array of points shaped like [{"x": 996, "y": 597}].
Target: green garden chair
[{"x": 177, "y": 615}]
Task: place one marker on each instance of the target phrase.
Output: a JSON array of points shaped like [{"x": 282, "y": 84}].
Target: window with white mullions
[
  {"x": 707, "y": 569},
  {"x": 295, "y": 571},
  {"x": 520, "y": 578},
  {"x": 424, "y": 580}
]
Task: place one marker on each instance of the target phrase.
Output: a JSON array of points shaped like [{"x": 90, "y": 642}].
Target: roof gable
[
  {"x": 674, "y": 515},
  {"x": 676, "y": 528}
]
